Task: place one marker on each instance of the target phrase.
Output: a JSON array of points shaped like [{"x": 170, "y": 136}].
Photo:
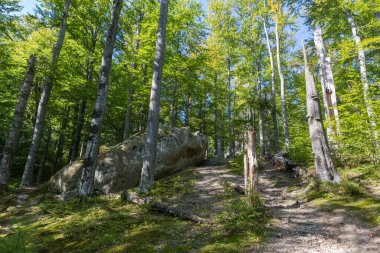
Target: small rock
[{"x": 21, "y": 199}]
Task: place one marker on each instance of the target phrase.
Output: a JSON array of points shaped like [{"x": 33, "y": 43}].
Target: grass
[
  {"x": 353, "y": 194},
  {"x": 103, "y": 224}
]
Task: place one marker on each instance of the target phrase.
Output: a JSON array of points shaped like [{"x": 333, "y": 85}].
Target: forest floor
[
  {"x": 290, "y": 217},
  {"x": 312, "y": 222}
]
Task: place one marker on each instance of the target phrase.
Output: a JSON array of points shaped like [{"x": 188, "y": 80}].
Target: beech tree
[
  {"x": 14, "y": 132},
  {"x": 363, "y": 73},
  {"x": 27, "y": 177},
  {"x": 150, "y": 150},
  {"x": 86, "y": 185}
]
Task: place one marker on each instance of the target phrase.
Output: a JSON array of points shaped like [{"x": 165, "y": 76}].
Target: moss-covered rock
[{"x": 119, "y": 167}]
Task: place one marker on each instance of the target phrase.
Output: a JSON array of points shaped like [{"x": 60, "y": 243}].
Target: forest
[{"x": 190, "y": 126}]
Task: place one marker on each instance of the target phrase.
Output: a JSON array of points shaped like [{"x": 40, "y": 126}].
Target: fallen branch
[{"x": 165, "y": 209}]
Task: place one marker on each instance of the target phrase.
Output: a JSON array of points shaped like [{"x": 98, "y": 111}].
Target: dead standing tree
[
  {"x": 251, "y": 167},
  {"x": 322, "y": 157}
]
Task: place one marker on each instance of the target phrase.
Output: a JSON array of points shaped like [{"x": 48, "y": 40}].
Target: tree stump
[{"x": 251, "y": 167}]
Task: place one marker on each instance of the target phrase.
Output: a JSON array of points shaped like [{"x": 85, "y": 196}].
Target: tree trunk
[
  {"x": 261, "y": 129},
  {"x": 273, "y": 80},
  {"x": 27, "y": 177},
  {"x": 327, "y": 80},
  {"x": 251, "y": 166},
  {"x": 229, "y": 111},
  {"x": 149, "y": 158},
  {"x": 282, "y": 84},
  {"x": 216, "y": 136},
  {"x": 363, "y": 76},
  {"x": 86, "y": 185},
  {"x": 14, "y": 132},
  {"x": 322, "y": 157},
  {"x": 173, "y": 106},
  {"x": 78, "y": 131},
  {"x": 41, "y": 170},
  {"x": 268, "y": 149},
  {"x": 128, "y": 114},
  {"x": 61, "y": 141}
]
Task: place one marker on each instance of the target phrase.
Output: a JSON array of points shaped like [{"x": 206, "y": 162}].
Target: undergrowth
[{"x": 103, "y": 224}]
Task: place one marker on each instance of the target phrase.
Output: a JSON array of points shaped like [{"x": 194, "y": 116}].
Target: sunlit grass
[
  {"x": 103, "y": 224},
  {"x": 353, "y": 194}
]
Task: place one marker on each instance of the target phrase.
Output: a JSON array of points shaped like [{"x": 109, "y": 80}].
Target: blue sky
[
  {"x": 302, "y": 34},
  {"x": 28, "y": 6}
]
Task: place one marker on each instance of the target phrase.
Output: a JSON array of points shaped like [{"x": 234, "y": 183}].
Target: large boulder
[{"x": 119, "y": 167}]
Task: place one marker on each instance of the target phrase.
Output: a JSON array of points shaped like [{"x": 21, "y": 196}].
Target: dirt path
[
  {"x": 300, "y": 227},
  {"x": 206, "y": 199}
]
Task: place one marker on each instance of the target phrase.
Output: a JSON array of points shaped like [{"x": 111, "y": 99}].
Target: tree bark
[
  {"x": 273, "y": 91},
  {"x": 128, "y": 114},
  {"x": 363, "y": 76},
  {"x": 86, "y": 185},
  {"x": 251, "y": 166},
  {"x": 229, "y": 112},
  {"x": 61, "y": 141},
  {"x": 149, "y": 158},
  {"x": 327, "y": 80},
  {"x": 325, "y": 169},
  {"x": 78, "y": 131},
  {"x": 27, "y": 177},
  {"x": 41, "y": 170},
  {"x": 261, "y": 128},
  {"x": 173, "y": 106},
  {"x": 15, "y": 129},
  {"x": 282, "y": 84},
  {"x": 216, "y": 119}
]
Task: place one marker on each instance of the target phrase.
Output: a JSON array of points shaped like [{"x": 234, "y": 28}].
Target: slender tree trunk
[
  {"x": 273, "y": 80},
  {"x": 187, "y": 110},
  {"x": 282, "y": 84},
  {"x": 221, "y": 138},
  {"x": 41, "y": 170},
  {"x": 15, "y": 129},
  {"x": 27, "y": 177},
  {"x": 128, "y": 114},
  {"x": 327, "y": 80},
  {"x": 78, "y": 131},
  {"x": 261, "y": 130},
  {"x": 322, "y": 157},
  {"x": 61, "y": 140},
  {"x": 216, "y": 120},
  {"x": 86, "y": 186},
  {"x": 268, "y": 149},
  {"x": 363, "y": 76},
  {"x": 37, "y": 95},
  {"x": 229, "y": 111},
  {"x": 150, "y": 151},
  {"x": 173, "y": 106}
]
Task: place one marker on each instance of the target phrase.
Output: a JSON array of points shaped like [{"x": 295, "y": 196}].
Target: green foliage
[{"x": 236, "y": 165}]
